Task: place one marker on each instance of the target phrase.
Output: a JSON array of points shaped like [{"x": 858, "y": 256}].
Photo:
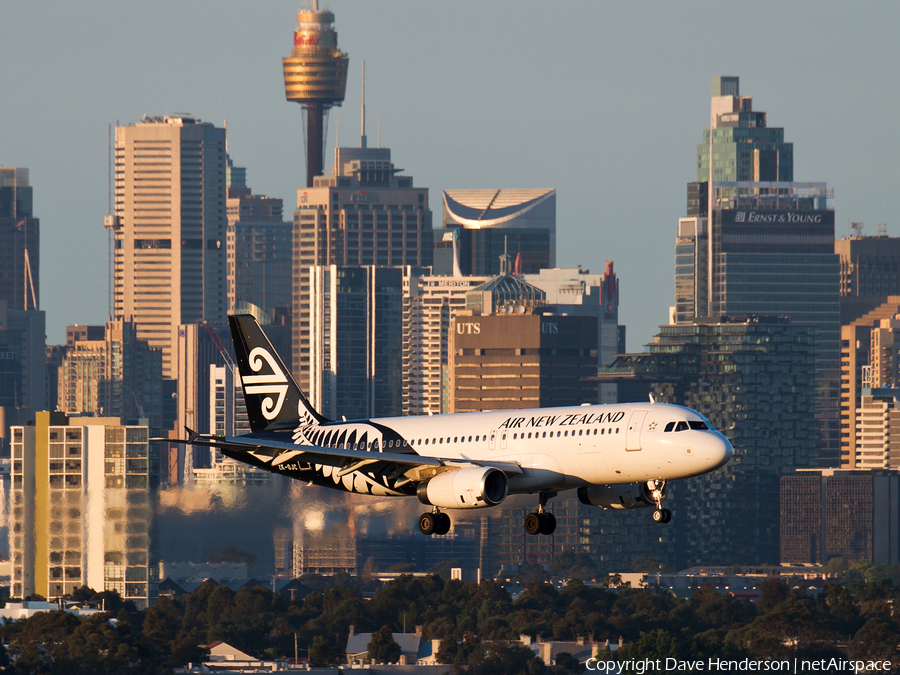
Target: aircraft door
[
  {"x": 492, "y": 444},
  {"x": 503, "y": 440},
  {"x": 633, "y": 432}
]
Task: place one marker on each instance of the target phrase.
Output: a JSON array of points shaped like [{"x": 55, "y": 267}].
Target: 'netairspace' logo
[{"x": 713, "y": 664}]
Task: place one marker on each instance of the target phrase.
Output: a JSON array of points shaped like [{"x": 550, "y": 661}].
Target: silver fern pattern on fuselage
[{"x": 361, "y": 435}]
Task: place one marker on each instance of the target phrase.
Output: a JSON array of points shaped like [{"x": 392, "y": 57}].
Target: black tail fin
[{"x": 274, "y": 401}]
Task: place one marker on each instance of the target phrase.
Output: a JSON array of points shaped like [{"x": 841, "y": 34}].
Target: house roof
[{"x": 358, "y": 643}]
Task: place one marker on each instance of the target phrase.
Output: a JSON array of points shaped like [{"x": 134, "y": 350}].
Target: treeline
[{"x": 473, "y": 622}]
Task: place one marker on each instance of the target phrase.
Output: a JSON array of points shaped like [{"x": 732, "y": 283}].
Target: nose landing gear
[
  {"x": 541, "y": 522},
  {"x": 434, "y": 523},
  {"x": 657, "y": 490}
]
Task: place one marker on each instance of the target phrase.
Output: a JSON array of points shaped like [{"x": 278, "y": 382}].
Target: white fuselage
[{"x": 563, "y": 448}]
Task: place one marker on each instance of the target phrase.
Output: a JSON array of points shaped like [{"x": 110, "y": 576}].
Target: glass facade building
[
  {"x": 356, "y": 331},
  {"x": 744, "y": 147},
  {"x": 840, "y": 513},
  {"x": 752, "y": 378},
  {"x": 363, "y": 214},
  {"x": 771, "y": 253}
]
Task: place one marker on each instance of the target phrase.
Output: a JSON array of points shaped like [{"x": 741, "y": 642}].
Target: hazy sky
[{"x": 603, "y": 101}]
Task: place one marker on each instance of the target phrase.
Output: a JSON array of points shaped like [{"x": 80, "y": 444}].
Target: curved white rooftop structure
[{"x": 477, "y": 209}]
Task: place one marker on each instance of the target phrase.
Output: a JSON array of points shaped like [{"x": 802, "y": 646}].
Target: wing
[{"x": 269, "y": 454}]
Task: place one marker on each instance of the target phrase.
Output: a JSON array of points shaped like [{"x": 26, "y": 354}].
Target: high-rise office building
[
  {"x": 870, "y": 266},
  {"x": 363, "y": 214},
  {"x": 768, "y": 248},
  {"x": 356, "y": 335},
  {"x": 258, "y": 249},
  {"x": 511, "y": 361},
  {"x": 751, "y": 377},
  {"x": 744, "y": 147},
  {"x": 508, "y": 350},
  {"x": 82, "y": 508},
  {"x": 23, "y": 386},
  {"x": 870, "y": 295},
  {"x": 833, "y": 513},
  {"x": 860, "y": 316},
  {"x": 117, "y": 375},
  {"x": 575, "y": 292},
  {"x": 430, "y": 304},
  {"x": 315, "y": 76},
  {"x": 20, "y": 255},
  {"x": 170, "y": 228},
  {"x": 481, "y": 225}
]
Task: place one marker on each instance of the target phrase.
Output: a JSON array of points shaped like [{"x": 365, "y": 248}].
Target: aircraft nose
[{"x": 718, "y": 451}]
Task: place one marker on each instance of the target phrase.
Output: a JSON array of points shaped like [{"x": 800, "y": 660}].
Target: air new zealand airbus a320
[{"x": 617, "y": 456}]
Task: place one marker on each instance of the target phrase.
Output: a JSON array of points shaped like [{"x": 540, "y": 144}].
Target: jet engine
[
  {"x": 469, "y": 488},
  {"x": 633, "y": 496}
]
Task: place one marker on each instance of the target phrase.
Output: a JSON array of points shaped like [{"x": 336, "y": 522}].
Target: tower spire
[{"x": 362, "y": 133}]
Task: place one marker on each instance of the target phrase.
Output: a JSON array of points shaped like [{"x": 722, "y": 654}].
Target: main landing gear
[
  {"x": 541, "y": 522},
  {"x": 434, "y": 523},
  {"x": 657, "y": 490}
]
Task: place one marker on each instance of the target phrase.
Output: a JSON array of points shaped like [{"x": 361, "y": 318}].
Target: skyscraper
[
  {"x": 356, "y": 333},
  {"x": 20, "y": 259},
  {"x": 315, "y": 76},
  {"x": 769, "y": 246},
  {"x": 258, "y": 249},
  {"x": 744, "y": 147},
  {"x": 429, "y": 305},
  {"x": 837, "y": 513},
  {"x": 870, "y": 295},
  {"x": 751, "y": 377},
  {"x": 362, "y": 214},
  {"x": 169, "y": 228}
]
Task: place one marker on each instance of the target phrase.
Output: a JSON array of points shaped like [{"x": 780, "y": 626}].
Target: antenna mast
[{"x": 362, "y": 133}]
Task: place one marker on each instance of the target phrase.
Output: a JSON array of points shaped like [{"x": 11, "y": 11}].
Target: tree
[
  {"x": 875, "y": 641},
  {"x": 323, "y": 653},
  {"x": 772, "y": 592},
  {"x": 383, "y": 648},
  {"x": 566, "y": 664}
]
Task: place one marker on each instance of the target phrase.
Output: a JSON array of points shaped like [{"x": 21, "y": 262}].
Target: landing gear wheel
[
  {"x": 667, "y": 515},
  {"x": 662, "y": 516},
  {"x": 548, "y": 526},
  {"x": 533, "y": 523},
  {"x": 428, "y": 523},
  {"x": 443, "y": 524}
]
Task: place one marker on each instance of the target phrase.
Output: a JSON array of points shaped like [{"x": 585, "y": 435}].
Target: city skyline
[{"x": 604, "y": 104}]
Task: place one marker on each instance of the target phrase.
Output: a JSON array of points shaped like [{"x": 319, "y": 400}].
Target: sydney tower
[{"x": 315, "y": 76}]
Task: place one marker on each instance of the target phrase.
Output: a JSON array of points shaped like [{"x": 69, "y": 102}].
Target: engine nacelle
[
  {"x": 633, "y": 496},
  {"x": 471, "y": 488}
]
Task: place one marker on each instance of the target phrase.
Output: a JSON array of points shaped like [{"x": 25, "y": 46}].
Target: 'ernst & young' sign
[{"x": 781, "y": 217}]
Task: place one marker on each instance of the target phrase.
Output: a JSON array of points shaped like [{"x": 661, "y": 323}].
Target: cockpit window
[
  {"x": 702, "y": 426},
  {"x": 681, "y": 426},
  {"x": 670, "y": 426}
]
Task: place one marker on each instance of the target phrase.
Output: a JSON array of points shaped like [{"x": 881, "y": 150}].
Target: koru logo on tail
[{"x": 269, "y": 383}]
